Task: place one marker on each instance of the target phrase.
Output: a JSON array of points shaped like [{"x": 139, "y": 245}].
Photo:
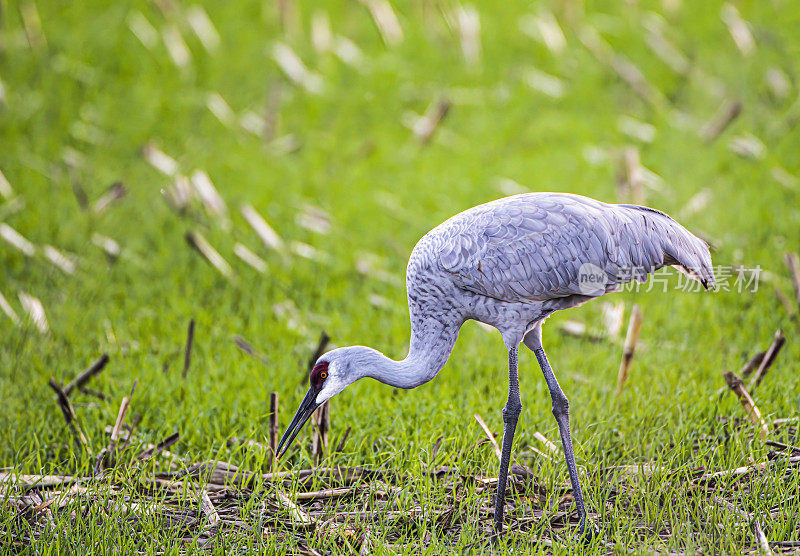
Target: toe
[{"x": 587, "y": 533}]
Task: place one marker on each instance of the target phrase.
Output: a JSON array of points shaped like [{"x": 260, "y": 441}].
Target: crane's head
[{"x": 332, "y": 373}]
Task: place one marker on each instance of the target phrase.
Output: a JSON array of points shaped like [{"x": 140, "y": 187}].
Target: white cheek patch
[{"x": 331, "y": 387}]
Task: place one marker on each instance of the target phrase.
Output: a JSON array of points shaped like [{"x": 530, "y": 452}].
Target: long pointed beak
[{"x": 307, "y": 407}]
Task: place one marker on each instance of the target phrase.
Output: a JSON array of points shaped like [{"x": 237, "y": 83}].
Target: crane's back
[{"x": 536, "y": 247}]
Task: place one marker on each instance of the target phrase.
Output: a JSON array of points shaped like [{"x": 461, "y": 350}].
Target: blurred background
[{"x": 265, "y": 168}]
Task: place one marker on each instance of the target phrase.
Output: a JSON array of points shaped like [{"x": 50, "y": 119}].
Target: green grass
[{"x": 383, "y": 190}]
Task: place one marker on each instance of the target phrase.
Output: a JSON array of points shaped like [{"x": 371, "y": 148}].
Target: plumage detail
[
  {"x": 513, "y": 261},
  {"x": 550, "y": 236}
]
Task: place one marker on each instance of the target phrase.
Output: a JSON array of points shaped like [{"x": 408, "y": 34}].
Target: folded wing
[{"x": 535, "y": 247}]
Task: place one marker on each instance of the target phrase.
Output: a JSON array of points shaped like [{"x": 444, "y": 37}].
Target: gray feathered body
[{"x": 512, "y": 262}]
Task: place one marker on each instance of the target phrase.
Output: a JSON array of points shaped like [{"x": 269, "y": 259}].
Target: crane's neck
[{"x": 432, "y": 341}]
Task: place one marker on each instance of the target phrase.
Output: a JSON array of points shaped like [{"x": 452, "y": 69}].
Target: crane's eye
[{"x": 323, "y": 375}]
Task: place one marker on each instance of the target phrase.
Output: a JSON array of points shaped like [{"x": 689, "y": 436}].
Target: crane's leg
[
  {"x": 511, "y": 413},
  {"x": 561, "y": 412}
]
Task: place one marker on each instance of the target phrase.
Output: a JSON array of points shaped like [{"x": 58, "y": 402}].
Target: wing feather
[{"x": 534, "y": 247}]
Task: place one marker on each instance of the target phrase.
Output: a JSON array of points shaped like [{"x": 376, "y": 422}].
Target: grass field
[{"x": 327, "y": 155}]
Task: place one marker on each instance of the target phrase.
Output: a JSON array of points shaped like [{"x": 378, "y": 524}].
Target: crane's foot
[
  {"x": 492, "y": 543},
  {"x": 588, "y": 533},
  {"x": 486, "y": 546}
]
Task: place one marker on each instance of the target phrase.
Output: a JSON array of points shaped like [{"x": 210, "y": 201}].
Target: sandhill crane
[{"x": 510, "y": 263}]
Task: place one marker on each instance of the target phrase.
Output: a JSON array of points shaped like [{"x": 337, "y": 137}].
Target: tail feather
[
  {"x": 682, "y": 249},
  {"x": 689, "y": 254}
]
